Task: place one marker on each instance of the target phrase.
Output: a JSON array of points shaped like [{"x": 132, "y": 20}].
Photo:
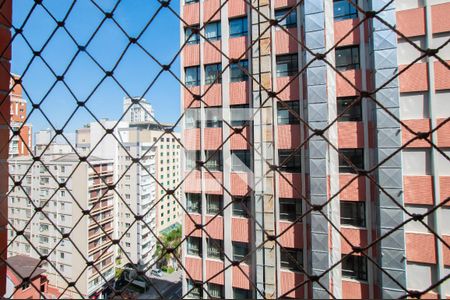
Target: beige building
[{"x": 63, "y": 190}]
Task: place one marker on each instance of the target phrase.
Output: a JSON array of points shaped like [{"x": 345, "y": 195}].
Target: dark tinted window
[
  {"x": 290, "y": 209},
  {"x": 213, "y": 73},
  {"x": 289, "y": 161},
  {"x": 356, "y": 157},
  {"x": 285, "y": 115},
  {"x": 287, "y": 65},
  {"x": 353, "y": 213},
  {"x": 353, "y": 113},
  {"x": 354, "y": 267},
  {"x": 194, "y": 203},
  {"x": 343, "y": 9},
  {"x": 347, "y": 58},
  {"x": 238, "y": 27},
  {"x": 286, "y": 21},
  {"x": 291, "y": 259},
  {"x": 236, "y": 71}
]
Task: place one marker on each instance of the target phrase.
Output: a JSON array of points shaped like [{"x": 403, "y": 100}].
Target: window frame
[
  {"x": 243, "y": 26},
  {"x": 353, "y": 65},
  {"x": 291, "y": 165},
  {"x": 215, "y": 162},
  {"x": 218, "y": 30},
  {"x": 291, "y": 214},
  {"x": 192, "y": 251},
  {"x": 358, "y": 268},
  {"x": 291, "y": 60},
  {"x": 357, "y": 212},
  {"x": 290, "y": 119},
  {"x": 354, "y": 114},
  {"x": 240, "y": 256},
  {"x": 190, "y": 202},
  {"x": 238, "y": 209},
  {"x": 352, "y": 12},
  {"x": 217, "y": 71},
  {"x": 193, "y": 39},
  {"x": 195, "y": 82},
  {"x": 286, "y": 262},
  {"x": 217, "y": 246},
  {"x": 211, "y": 198},
  {"x": 234, "y": 68},
  {"x": 287, "y": 21},
  {"x": 344, "y": 167}
]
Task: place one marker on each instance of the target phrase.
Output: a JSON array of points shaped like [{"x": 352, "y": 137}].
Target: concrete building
[
  {"x": 137, "y": 192},
  {"x": 20, "y": 143},
  {"x": 63, "y": 190},
  {"x": 290, "y": 171},
  {"x": 140, "y": 110}
]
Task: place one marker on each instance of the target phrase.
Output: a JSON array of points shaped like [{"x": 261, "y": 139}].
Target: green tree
[{"x": 169, "y": 240}]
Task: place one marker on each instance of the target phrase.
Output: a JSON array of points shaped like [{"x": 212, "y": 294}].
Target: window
[
  {"x": 195, "y": 289},
  {"x": 192, "y": 76},
  {"x": 191, "y": 1},
  {"x": 241, "y": 294},
  {"x": 215, "y": 249},
  {"x": 354, "y": 267},
  {"x": 238, "y": 27},
  {"x": 356, "y": 156},
  {"x": 344, "y": 10},
  {"x": 212, "y": 31},
  {"x": 354, "y": 112},
  {"x": 241, "y": 206},
  {"x": 289, "y": 161},
  {"x": 240, "y": 251},
  {"x": 213, "y": 73},
  {"x": 191, "y": 159},
  {"x": 214, "y": 204},
  {"x": 240, "y": 114},
  {"x": 216, "y": 291},
  {"x": 213, "y": 117},
  {"x": 194, "y": 246},
  {"x": 347, "y": 58},
  {"x": 287, "y": 65},
  {"x": 236, "y": 71},
  {"x": 214, "y": 160},
  {"x": 290, "y": 209},
  {"x": 192, "y": 37},
  {"x": 194, "y": 203},
  {"x": 353, "y": 213},
  {"x": 291, "y": 259},
  {"x": 240, "y": 160},
  {"x": 288, "y": 21},
  {"x": 285, "y": 115}
]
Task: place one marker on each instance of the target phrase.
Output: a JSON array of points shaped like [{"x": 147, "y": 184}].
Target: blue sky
[{"x": 135, "y": 72}]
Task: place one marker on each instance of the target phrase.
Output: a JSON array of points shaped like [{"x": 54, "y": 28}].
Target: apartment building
[
  {"x": 146, "y": 161},
  {"x": 137, "y": 109},
  {"x": 285, "y": 168},
  {"x": 49, "y": 221},
  {"x": 20, "y": 143}
]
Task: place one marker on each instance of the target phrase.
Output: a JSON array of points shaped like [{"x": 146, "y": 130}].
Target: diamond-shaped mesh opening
[{"x": 271, "y": 149}]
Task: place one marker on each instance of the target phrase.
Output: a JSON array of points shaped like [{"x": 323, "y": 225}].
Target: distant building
[
  {"x": 62, "y": 203},
  {"x": 46, "y": 143},
  {"x": 140, "y": 110},
  {"x": 21, "y": 267},
  {"x": 20, "y": 144}
]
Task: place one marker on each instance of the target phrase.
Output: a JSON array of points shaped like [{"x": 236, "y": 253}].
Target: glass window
[
  {"x": 238, "y": 27},
  {"x": 290, "y": 209},
  {"x": 285, "y": 115},
  {"x": 192, "y": 38},
  {"x": 347, "y": 58},
  {"x": 191, "y": 1},
  {"x": 194, "y": 203},
  {"x": 213, "y": 73},
  {"x": 195, "y": 289},
  {"x": 354, "y": 112},
  {"x": 192, "y": 118},
  {"x": 236, "y": 71},
  {"x": 192, "y": 76},
  {"x": 241, "y": 206},
  {"x": 241, "y": 294},
  {"x": 240, "y": 160},
  {"x": 287, "y": 65},
  {"x": 216, "y": 291},
  {"x": 343, "y": 9},
  {"x": 212, "y": 31},
  {"x": 289, "y": 161},
  {"x": 214, "y": 204},
  {"x": 194, "y": 246},
  {"x": 240, "y": 115},
  {"x": 291, "y": 259},
  {"x": 356, "y": 157},
  {"x": 213, "y": 117},
  {"x": 191, "y": 159},
  {"x": 240, "y": 251},
  {"x": 214, "y": 160},
  {"x": 354, "y": 267},
  {"x": 286, "y": 21},
  {"x": 215, "y": 249},
  {"x": 353, "y": 213}
]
